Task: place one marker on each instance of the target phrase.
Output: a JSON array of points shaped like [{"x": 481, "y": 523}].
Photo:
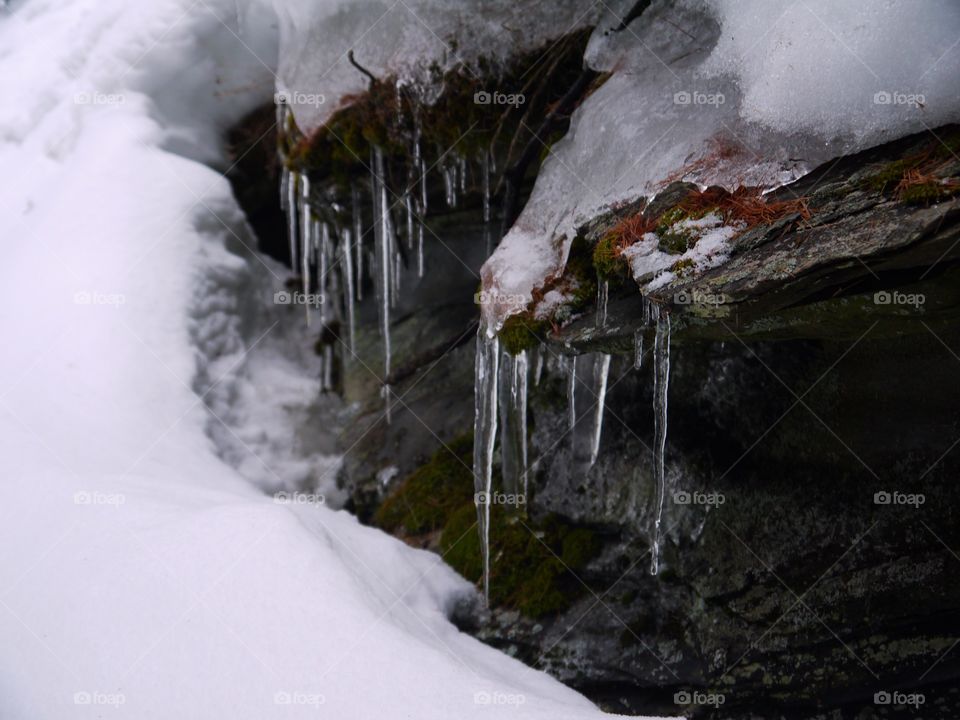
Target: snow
[
  {"x": 711, "y": 248},
  {"x": 729, "y": 92},
  {"x": 404, "y": 38},
  {"x": 141, "y": 575}
]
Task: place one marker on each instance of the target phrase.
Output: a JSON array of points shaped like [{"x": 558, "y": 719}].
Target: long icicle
[
  {"x": 383, "y": 262},
  {"x": 357, "y": 212},
  {"x": 306, "y": 237},
  {"x": 601, "y": 372},
  {"x": 346, "y": 257},
  {"x": 513, "y": 419},
  {"x": 484, "y": 437},
  {"x": 661, "y": 382}
]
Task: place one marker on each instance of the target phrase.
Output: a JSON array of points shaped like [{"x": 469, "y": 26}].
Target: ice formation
[{"x": 729, "y": 92}]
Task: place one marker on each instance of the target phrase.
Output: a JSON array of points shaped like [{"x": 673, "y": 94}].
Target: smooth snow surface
[
  {"x": 141, "y": 576},
  {"x": 730, "y": 92}
]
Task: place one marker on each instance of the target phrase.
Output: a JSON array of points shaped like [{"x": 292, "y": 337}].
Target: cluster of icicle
[
  {"x": 501, "y": 394},
  {"x": 335, "y": 260}
]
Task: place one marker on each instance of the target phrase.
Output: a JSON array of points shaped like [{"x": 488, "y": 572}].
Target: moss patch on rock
[{"x": 532, "y": 561}]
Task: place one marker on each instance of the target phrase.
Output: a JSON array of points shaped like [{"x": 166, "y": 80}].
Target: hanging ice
[
  {"x": 357, "y": 214},
  {"x": 571, "y": 390},
  {"x": 383, "y": 233},
  {"x": 601, "y": 373},
  {"x": 513, "y": 422},
  {"x": 306, "y": 237},
  {"x": 661, "y": 381},
  {"x": 637, "y": 349},
  {"x": 346, "y": 260},
  {"x": 588, "y": 399},
  {"x": 484, "y": 438},
  {"x": 603, "y": 294},
  {"x": 293, "y": 217}
]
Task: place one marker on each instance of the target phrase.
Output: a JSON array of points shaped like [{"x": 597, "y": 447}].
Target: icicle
[
  {"x": 513, "y": 422},
  {"x": 450, "y": 184},
  {"x": 637, "y": 349},
  {"x": 357, "y": 213},
  {"x": 538, "y": 366},
  {"x": 346, "y": 271},
  {"x": 328, "y": 367},
  {"x": 383, "y": 234},
  {"x": 408, "y": 204},
  {"x": 601, "y": 372},
  {"x": 661, "y": 381},
  {"x": 603, "y": 294},
  {"x": 571, "y": 390},
  {"x": 588, "y": 393},
  {"x": 423, "y": 188},
  {"x": 420, "y": 264},
  {"x": 484, "y": 437},
  {"x": 462, "y": 172},
  {"x": 306, "y": 228},
  {"x": 293, "y": 218},
  {"x": 486, "y": 186}
]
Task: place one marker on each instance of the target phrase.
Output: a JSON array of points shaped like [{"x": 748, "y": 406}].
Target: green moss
[
  {"x": 674, "y": 240},
  {"x": 926, "y": 193},
  {"x": 682, "y": 268},
  {"x": 532, "y": 563},
  {"x": 521, "y": 332},
  {"x": 425, "y": 500},
  {"x": 888, "y": 176},
  {"x": 606, "y": 260}
]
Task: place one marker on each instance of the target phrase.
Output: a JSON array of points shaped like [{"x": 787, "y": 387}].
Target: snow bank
[
  {"x": 730, "y": 92},
  {"x": 140, "y": 575}
]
